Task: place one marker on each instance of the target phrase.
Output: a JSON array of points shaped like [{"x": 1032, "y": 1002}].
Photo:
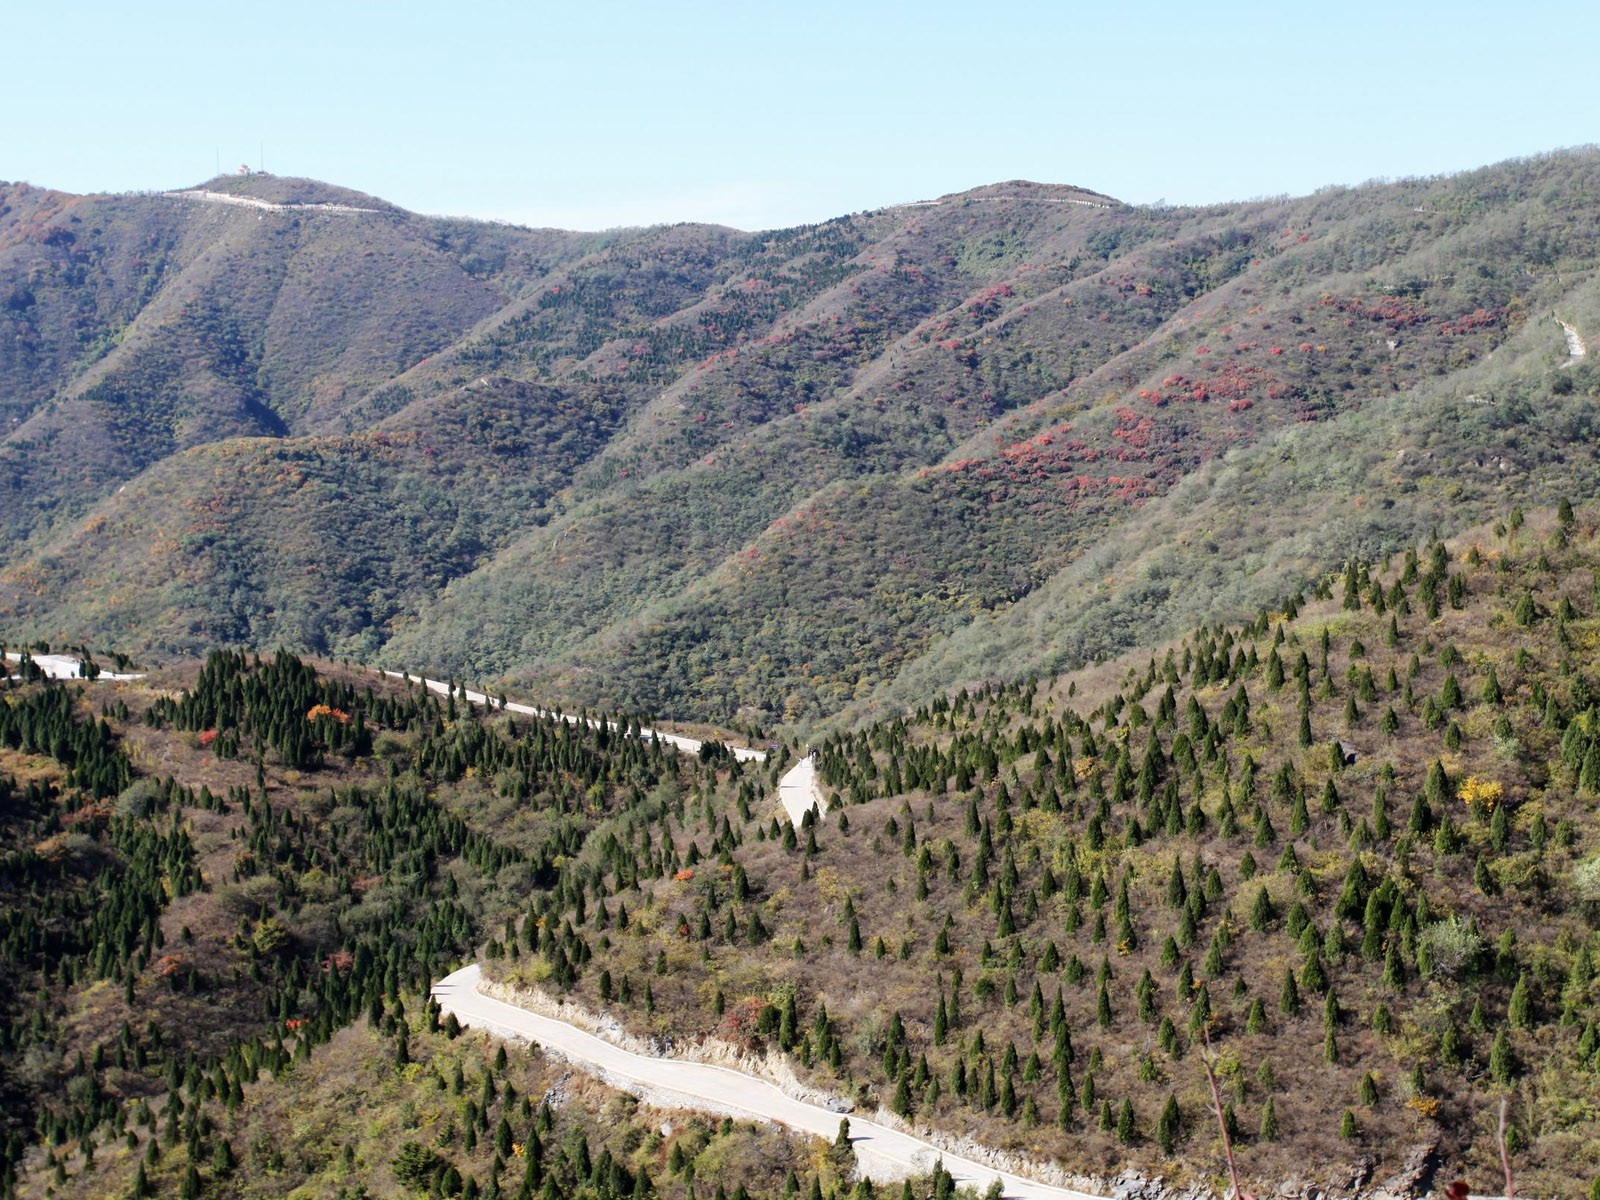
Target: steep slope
[
  {"x": 1350, "y": 844},
  {"x": 1267, "y": 339},
  {"x": 218, "y": 321}
]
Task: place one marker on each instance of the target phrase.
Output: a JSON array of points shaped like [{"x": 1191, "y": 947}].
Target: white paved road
[
  {"x": 64, "y": 666},
  {"x": 798, "y": 790},
  {"x": 882, "y": 1153},
  {"x": 688, "y": 745}
]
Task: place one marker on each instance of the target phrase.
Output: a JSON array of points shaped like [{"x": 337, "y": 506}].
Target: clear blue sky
[{"x": 591, "y": 113}]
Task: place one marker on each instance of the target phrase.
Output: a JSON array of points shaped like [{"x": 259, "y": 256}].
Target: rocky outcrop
[{"x": 1414, "y": 1175}]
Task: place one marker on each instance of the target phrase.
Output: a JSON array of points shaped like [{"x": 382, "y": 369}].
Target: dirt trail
[
  {"x": 269, "y": 205},
  {"x": 972, "y": 199},
  {"x": 882, "y": 1152}
]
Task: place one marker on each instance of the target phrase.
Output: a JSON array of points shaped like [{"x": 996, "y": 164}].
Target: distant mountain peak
[
  {"x": 1023, "y": 191},
  {"x": 289, "y": 189}
]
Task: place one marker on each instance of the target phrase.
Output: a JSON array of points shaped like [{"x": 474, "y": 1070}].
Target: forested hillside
[
  {"x": 224, "y": 892},
  {"x": 774, "y": 477},
  {"x": 1348, "y": 850}
]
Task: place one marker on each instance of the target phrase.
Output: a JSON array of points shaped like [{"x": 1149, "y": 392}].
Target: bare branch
[{"x": 1505, "y": 1157}]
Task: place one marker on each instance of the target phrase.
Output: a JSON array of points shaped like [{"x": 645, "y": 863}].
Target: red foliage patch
[
  {"x": 1390, "y": 310},
  {"x": 1480, "y": 318}
]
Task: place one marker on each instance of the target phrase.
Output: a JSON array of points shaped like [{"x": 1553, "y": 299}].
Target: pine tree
[
  {"x": 1265, "y": 834},
  {"x": 1269, "y": 1121},
  {"x": 1492, "y": 695},
  {"x": 1520, "y": 1011},
  {"x": 1501, "y": 1063},
  {"x": 1256, "y": 1019},
  {"x": 1450, "y": 697},
  {"x": 1261, "y": 912},
  {"x": 1289, "y": 996},
  {"x": 1125, "y": 1124},
  {"x": 1169, "y": 1126},
  {"x": 1526, "y": 612}
]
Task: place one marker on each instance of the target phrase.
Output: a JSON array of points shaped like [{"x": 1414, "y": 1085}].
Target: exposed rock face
[
  {"x": 1414, "y": 1175},
  {"x": 1359, "y": 1175},
  {"x": 1411, "y": 1181},
  {"x": 1130, "y": 1185}
]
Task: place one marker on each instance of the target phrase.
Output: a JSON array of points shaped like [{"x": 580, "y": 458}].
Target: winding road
[
  {"x": 688, "y": 745},
  {"x": 797, "y": 790},
  {"x": 882, "y": 1153}
]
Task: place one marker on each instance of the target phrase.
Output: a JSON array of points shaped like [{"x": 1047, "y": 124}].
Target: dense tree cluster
[
  {"x": 350, "y": 891},
  {"x": 281, "y": 705}
]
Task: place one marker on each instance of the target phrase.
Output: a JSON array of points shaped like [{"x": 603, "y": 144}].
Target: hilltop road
[
  {"x": 206, "y": 197},
  {"x": 688, "y": 745}
]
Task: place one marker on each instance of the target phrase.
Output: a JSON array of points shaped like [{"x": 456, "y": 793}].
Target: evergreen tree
[
  {"x": 1502, "y": 1066},
  {"x": 1126, "y": 1131},
  {"x": 1520, "y": 1011},
  {"x": 1169, "y": 1126},
  {"x": 1269, "y": 1120},
  {"x": 1289, "y": 996}
]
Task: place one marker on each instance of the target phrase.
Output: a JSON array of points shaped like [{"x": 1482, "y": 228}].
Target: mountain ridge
[{"x": 669, "y": 430}]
